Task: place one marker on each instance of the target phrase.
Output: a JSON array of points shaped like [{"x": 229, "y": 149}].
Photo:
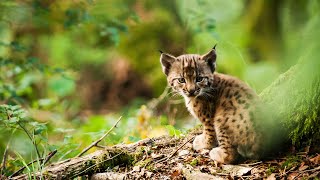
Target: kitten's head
[{"x": 191, "y": 75}]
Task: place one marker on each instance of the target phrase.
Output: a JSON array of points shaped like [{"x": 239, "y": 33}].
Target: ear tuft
[
  {"x": 214, "y": 47},
  {"x": 160, "y": 51},
  {"x": 210, "y": 58},
  {"x": 166, "y": 62}
]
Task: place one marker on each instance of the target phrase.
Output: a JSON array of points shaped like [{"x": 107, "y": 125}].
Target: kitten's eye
[
  {"x": 199, "y": 79},
  {"x": 181, "y": 80}
]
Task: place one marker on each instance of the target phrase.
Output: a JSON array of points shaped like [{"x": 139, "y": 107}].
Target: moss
[
  {"x": 91, "y": 163},
  {"x": 111, "y": 159},
  {"x": 270, "y": 170},
  {"x": 138, "y": 154},
  {"x": 143, "y": 163},
  {"x": 151, "y": 168},
  {"x": 295, "y": 99},
  {"x": 291, "y": 162},
  {"x": 46, "y": 174},
  {"x": 194, "y": 162}
]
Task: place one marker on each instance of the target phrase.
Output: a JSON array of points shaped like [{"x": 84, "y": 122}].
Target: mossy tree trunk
[{"x": 294, "y": 99}]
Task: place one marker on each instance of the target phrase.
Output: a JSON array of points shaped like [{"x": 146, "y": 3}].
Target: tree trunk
[{"x": 294, "y": 99}]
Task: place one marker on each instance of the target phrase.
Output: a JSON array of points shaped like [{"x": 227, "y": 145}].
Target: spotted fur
[{"x": 223, "y": 104}]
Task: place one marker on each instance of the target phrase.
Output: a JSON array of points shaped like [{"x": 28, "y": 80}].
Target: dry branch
[{"x": 95, "y": 143}]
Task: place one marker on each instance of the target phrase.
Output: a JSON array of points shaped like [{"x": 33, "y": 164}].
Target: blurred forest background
[{"x": 70, "y": 69}]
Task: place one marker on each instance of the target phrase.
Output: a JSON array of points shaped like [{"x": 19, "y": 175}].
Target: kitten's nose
[{"x": 191, "y": 92}]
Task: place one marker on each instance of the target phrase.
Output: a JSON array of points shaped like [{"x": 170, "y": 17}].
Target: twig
[
  {"x": 308, "y": 170},
  {"x": 172, "y": 154},
  {"x": 301, "y": 172},
  {"x": 49, "y": 156},
  {"x": 180, "y": 147},
  {"x": 4, "y": 159},
  {"x": 44, "y": 160},
  {"x": 99, "y": 146},
  {"x": 221, "y": 174},
  {"x": 252, "y": 164},
  {"x": 95, "y": 143}
]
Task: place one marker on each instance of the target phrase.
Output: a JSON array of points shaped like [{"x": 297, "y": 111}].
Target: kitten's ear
[
  {"x": 210, "y": 58},
  {"x": 166, "y": 62}
]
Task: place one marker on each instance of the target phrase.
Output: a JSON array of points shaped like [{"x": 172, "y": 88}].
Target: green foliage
[
  {"x": 13, "y": 119},
  {"x": 295, "y": 97}
]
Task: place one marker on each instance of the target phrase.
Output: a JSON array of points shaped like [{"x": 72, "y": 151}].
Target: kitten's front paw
[
  {"x": 218, "y": 154},
  {"x": 201, "y": 143}
]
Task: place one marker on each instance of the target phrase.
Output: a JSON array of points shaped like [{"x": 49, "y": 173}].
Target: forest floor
[
  {"x": 169, "y": 157},
  {"x": 177, "y": 160}
]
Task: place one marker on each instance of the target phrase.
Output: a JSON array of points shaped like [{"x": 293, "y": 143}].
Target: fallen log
[
  {"x": 95, "y": 162},
  {"x": 98, "y": 161}
]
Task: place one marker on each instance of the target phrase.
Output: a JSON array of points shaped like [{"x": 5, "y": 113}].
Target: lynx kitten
[{"x": 224, "y": 105}]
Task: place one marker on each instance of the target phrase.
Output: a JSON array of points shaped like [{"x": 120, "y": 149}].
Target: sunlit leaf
[{"x": 173, "y": 131}]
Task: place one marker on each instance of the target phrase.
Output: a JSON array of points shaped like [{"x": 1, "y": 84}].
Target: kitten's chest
[{"x": 202, "y": 110}]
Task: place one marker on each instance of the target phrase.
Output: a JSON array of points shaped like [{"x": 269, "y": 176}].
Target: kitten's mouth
[
  {"x": 193, "y": 94},
  {"x": 206, "y": 94},
  {"x": 203, "y": 96}
]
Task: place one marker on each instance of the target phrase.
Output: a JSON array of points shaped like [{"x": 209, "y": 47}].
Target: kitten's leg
[
  {"x": 225, "y": 152},
  {"x": 254, "y": 146},
  {"x": 206, "y": 140}
]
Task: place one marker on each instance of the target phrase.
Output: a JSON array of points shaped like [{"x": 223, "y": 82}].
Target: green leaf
[
  {"x": 13, "y": 120},
  {"x": 39, "y": 129},
  {"x": 173, "y": 131}
]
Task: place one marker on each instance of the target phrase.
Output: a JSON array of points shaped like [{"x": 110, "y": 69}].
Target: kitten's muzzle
[{"x": 192, "y": 92}]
